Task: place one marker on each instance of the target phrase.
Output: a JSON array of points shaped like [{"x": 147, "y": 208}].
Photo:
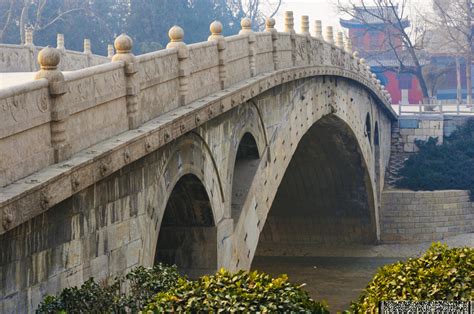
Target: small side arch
[
  {"x": 368, "y": 128},
  {"x": 246, "y": 163},
  {"x": 188, "y": 236}
]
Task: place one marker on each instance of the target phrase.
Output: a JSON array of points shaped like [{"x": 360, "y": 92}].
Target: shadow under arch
[
  {"x": 188, "y": 234},
  {"x": 325, "y": 196},
  {"x": 246, "y": 163}
]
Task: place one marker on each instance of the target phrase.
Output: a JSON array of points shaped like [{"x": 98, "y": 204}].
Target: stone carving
[
  {"x": 329, "y": 35},
  {"x": 176, "y": 35}
]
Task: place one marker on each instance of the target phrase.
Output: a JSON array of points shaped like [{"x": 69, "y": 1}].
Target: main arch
[{"x": 326, "y": 194}]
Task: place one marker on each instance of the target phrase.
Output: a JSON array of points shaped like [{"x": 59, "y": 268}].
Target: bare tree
[
  {"x": 256, "y": 10},
  {"x": 453, "y": 23},
  {"x": 401, "y": 43},
  {"x": 8, "y": 12},
  {"x": 32, "y": 14}
]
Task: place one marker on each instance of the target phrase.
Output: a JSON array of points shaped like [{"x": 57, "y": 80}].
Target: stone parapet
[
  {"x": 419, "y": 216},
  {"x": 22, "y": 58}
]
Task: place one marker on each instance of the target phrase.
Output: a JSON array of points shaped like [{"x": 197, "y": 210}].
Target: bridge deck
[{"x": 8, "y": 80}]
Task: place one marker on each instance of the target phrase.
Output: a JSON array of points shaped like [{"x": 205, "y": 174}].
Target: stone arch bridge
[{"x": 198, "y": 155}]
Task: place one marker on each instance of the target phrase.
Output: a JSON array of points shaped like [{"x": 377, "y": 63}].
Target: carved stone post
[
  {"x": 29, "y": 36},
  {"x": 123, "y": 46},
  {"x": 270, "y": 28},
  {"x": 110, "y": 51},
  {"x": 60, "y": 42},
  {"x": 318, "y": 29},
  {"x": 216, "y": 35},
  {"x": 363, "y": 65},
  {"x": 289, "y": 28},
  {"x": 340, "y": 40},
  {"x": 87, "y": 46},
  {"x": 246, "y": 25},
  {"x": 305, "y": 25},
  {"x": 348, "y": 46},
  {"x": 329, "y": 35},
  {"x": 88, "y": 51},
  {"x": 30, "y": 45},
  {"x": 49, "y": 58},
  {"x": 176, "y": 35}
]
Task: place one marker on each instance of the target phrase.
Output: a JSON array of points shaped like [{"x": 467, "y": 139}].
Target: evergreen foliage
[
  {"x": 440, "y": 274},
  {"x": 129, "y": 293},
  {"x": 162, "y": 289},
  {"x": 441, "y": 167},
  {"x": 243, "y": 292}
]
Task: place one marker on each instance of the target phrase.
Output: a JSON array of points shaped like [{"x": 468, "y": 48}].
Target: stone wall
[
  {"x": 419, "y": 128},
  {"x": 409, "y": 216},
  {"x": 23, "y": 58}
]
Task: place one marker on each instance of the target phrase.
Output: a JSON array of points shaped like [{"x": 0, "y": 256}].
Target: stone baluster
[
  {"x": 246, "y": 25},
  {"x": 60, "y": 42},
  {"x": 176, "y": 35},
  {"x": 355, "y": 55},
  {"x": 318, "y": 29},
  {"x": 30, "y": 45},
  {"x": 348, "y": 46},
  {"x": 305, "y": 25},
  {"x": 340, "y": 40},
  {"x": 110, "y": 51},
  {"x": 29, "y": 36},
  {"x": 49, "y": 58},
  {"x": 270, "y": 28},
  {"x": 289, "y": 22},
  {"x": 289, "y": 28},
  {"x": 216, "y": 35},
  {"x": 329, "y": 35},
  {"x": 123, "y": 45},
  {"x": 88, "y": 51},
  {"x": 87, "y": 46},
  {"x": 363, "y": 65}
]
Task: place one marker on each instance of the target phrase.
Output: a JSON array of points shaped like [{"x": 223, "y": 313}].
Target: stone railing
[
  {"x": 23, "y": 58},
  {"x": 46, "y": 121},
  {"x": 433, "y": 109}
]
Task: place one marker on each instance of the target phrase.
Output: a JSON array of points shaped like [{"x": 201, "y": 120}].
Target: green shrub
[
  {"x": 131, "y": 292},
  {"x": 240, "y": 292},
  {"x": 440, "y": 167},
  {"x": 440, "y": 274}
]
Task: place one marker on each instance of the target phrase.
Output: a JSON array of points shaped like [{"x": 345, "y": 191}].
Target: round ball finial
[
  {"x": 176, "y": 34},
  {"x": 270, "y": 22},
  {"x": 123, "y": 44},
  {"x": 49, "y": 58},
  {"x": 216, "y": 28},
  {"x": 246, "y": 23}
]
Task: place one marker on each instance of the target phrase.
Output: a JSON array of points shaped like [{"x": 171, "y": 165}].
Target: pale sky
[{"x": 325, "y": 11}]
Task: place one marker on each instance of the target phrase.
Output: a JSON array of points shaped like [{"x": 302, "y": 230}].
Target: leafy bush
[
  {"x": 131, "y": 292},
  {"x": 440, "y": 167},
  {"x": 440, "y": 274},
  {"x": 240, "y": 292}
]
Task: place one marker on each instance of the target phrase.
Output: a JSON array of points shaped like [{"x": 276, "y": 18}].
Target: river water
[
  {"x": 338, "y": 274},
  {"x": 337, "y": 280}
]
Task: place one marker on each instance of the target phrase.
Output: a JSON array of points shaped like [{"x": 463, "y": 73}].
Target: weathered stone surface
[
  {"x": 409, "y": 216},
  {"x": 186, "y": 185}
]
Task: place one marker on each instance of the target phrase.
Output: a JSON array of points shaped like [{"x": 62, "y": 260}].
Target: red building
[{"x": 381, "y": 45}]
